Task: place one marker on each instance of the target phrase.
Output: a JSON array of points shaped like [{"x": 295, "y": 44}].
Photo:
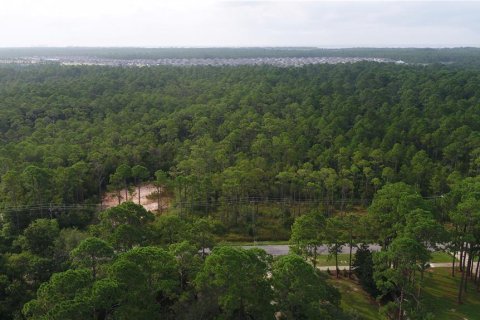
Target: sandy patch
[{"x": 148, "y": 198}]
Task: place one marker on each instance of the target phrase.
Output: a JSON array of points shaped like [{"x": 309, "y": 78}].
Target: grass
[
  {"x": 440, "y": 296},
  {"x": 355, "y": 300},
  {"x": 325, "y": 260},
  {"x": 439, "y": 257}
]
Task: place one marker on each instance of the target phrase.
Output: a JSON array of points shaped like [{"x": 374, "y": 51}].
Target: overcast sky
[{"x": 160, "y": 23}]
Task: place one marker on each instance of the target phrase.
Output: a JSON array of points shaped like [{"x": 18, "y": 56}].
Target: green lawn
[
  {"x": 355, "y": 300},
  {"x": 441, "y": 257},
  {"x": 439, "y": 296},
  {"x": 326, "y": 260}
]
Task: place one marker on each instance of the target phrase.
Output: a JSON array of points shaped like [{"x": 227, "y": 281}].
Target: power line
[{"x": 195, "y": 203}]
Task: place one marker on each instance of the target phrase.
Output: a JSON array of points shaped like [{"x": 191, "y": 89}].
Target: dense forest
[
  {"x": 335, "y": 133},
  {"x": 353, "y": 153}
]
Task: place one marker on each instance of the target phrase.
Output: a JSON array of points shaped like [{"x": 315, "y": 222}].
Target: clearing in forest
[{"x": 148, "y": 197}]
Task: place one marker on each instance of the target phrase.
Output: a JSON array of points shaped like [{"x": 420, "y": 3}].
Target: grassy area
[
  {"x": 439, "y": 257},
  {"x": 355, "y": 300},
  {"x": 440, "y": 296},
  {"x": 327, "y": 260}
]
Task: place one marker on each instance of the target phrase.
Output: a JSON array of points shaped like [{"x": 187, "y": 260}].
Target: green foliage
[
  {"x": 40, "y": 235},
  {"x": 233, "y": 285},
  {"x": 307, "y": 235},
  {"x": 202, "y": 234},
  {"x": 188, "y": 262},
  {"x": 334, "y": 133},
  {"x": 390, "y": 208},
  {"x": 148, "y": 282},
  {"x": 91, "y": 253},
  {"x": 220, "y": 141},
  {"x": 170, "y": 229},
  {"x": 363, "y": 269},
  {"x": 124, "y": 226},
  {"x": 335, "y": 237},
  {"x": 395, "y": 274},
  {"x": 301, "y": 292},
  {"x": 65, "y": 296}
]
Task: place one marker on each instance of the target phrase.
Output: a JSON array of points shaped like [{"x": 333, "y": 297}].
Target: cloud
[{"x": 238, "y": 23}]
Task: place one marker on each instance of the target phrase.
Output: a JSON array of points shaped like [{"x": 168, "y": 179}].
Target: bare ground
[{"x": 148, "y": 198}]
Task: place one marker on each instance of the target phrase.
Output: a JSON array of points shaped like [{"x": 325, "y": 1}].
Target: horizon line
[{"x": 251, "y": 47}]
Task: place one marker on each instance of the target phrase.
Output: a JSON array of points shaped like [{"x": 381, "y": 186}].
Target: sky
[{"x": 211, "y": 23}]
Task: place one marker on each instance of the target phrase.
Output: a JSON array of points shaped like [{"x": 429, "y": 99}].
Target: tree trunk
[
  {"x": 453, "y": 263},
  {"x": 400, "y": 311},
  {"x": 476, "y": 273},
  {"x": 467, "y": 271},
  {"x": 139, "y": 193},
  {"x": 158, "y": 200},
  {"x": 350, "y": 259},
  {"x": 336, "y": 261},
  {"x": 461, "y": 257},
  {"x": 100, "y": 194},
  {"x": 460, "y": 289}
]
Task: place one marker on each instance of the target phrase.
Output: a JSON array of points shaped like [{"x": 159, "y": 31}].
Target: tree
[
  {"x": 202, "y": 234},
  {"x": 91, "y": 253},
  {"x": 301, "y": 292},
  {"x": 161, "y": 182},
  {"x": 124, "y": 226},
  {"x": 22, "y": 274},
  {"x": 233, "y": 284},
  {"x": 170, "y": 229},
  {"x": 116, "y": 183},
  {"x": 188, "y": 261},
  {"x": 423, "y": 227},
  {"x": 307, "y": 235},
  {"x": 39, "y": 237},
  {"x": 147, "y": 278},
  {"x": 421, "y": 166},
  {"x": 389, "y": 209},
  {"x": 65, "y": 296},
  {"x": 353, "y": 229},
  {"x": 11, "y": 188},
  {"x": 123, "y": 173},
  {"x": 363, "y": 269},
  {"x": 465, "y": 218},
  {"x": 395, "y": 271},
  {"x": 139, "y": 173},
  {"x": 335, "y": 237},
  {"x": 37, "y": 183}
]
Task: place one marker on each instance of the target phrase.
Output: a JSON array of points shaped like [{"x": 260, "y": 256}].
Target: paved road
[
  {"x": 283, "y": 249},
  {"x": 280, "y": 250}
]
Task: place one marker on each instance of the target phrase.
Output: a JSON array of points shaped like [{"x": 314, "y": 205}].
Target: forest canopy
[
  {"x": 338, "y": 132},
  {"x": 353, "y": 154}
]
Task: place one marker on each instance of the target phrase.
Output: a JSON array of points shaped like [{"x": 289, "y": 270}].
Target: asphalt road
[{"x": 283, "y": 249}]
